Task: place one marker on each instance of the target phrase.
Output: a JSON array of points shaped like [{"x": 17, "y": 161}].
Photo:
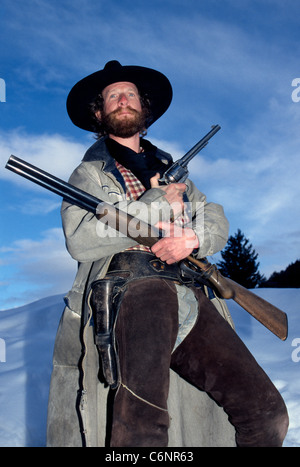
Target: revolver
[{"x": 178, "y": 172}]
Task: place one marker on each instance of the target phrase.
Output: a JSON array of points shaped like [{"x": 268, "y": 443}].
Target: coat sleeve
[
  {"x": 87, "y": 238},
  {"x": 208, "y": 222}
]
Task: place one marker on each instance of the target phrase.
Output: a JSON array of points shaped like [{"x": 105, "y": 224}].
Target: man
[{"x": 146, "y": 316}]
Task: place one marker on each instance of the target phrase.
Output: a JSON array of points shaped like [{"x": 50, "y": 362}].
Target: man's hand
[
  {"x": 176, "y": 245},
  {"x": 174, "y": 194}
]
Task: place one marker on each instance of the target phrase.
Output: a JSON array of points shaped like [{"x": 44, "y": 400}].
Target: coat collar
[{"x": 99, "y": 152}]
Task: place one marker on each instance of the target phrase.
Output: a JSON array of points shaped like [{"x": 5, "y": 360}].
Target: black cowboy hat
[{"x": 151, "y": 82}]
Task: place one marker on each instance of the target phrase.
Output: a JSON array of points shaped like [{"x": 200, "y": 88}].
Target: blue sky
[{"x": 230, "y": 62}]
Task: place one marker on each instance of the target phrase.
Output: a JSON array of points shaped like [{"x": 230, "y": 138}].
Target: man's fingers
[{"x": 154, "y": 180}]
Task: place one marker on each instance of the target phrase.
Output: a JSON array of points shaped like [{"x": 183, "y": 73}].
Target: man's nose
[{"x": 123, "y": 101}]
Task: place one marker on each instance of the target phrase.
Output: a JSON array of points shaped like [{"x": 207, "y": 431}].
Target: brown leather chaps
[{"x": 212, "y": 358}]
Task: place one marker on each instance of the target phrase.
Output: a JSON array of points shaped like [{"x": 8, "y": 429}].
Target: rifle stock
[{"x": 268, "y": 315}]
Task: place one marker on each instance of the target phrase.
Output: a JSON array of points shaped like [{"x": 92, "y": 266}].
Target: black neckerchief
[{"x": 143, "y": 165}]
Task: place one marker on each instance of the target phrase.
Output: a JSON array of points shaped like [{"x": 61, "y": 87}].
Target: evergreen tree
[
  {"x": 290, "y": 277},
  {"x": 240, "y": 262}
]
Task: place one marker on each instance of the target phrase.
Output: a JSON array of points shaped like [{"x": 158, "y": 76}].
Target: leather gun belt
[{"x": 133, "y": 265}]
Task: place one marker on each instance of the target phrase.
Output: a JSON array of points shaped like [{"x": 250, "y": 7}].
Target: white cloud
[
  {"x": 53, "y": 153},
  {"x": 41, "y": 267},
  {"x": 38, "y": 207}
]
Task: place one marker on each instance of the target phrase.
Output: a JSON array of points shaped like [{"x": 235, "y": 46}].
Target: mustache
[{"x": 120, "y": 110}]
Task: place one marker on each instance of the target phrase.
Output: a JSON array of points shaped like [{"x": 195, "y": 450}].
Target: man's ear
[{"x": 98, "y": 115}]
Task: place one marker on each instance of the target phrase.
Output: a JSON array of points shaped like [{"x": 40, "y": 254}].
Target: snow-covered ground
[{"x": 26, "y": 345}]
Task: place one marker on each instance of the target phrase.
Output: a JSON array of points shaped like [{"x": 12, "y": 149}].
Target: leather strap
[{"x": 134, "y": 265}]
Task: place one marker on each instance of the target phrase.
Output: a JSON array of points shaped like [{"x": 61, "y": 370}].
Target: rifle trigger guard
[{"x": 190, "y": 270}]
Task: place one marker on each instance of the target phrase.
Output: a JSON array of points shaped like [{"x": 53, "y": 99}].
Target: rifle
[{"x": 271, "y": 317}]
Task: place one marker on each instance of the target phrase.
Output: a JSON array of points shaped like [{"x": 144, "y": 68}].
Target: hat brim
[{"x": 149, "y": 81}]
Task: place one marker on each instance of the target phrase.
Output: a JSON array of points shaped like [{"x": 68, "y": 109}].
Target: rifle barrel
[{"x": 69, "y": 192}]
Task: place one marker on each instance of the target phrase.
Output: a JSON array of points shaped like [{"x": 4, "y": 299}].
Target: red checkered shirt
[{"x": 134, "y": 189}]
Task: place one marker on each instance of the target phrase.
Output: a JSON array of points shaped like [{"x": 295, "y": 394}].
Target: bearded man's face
[{"x": 122, "y": 113}]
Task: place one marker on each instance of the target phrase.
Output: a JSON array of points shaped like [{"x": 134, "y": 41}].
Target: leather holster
[{"x": 105, "y": 300}]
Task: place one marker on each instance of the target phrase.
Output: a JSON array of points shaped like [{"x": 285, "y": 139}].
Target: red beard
[{"x": 127, "y": 126}]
